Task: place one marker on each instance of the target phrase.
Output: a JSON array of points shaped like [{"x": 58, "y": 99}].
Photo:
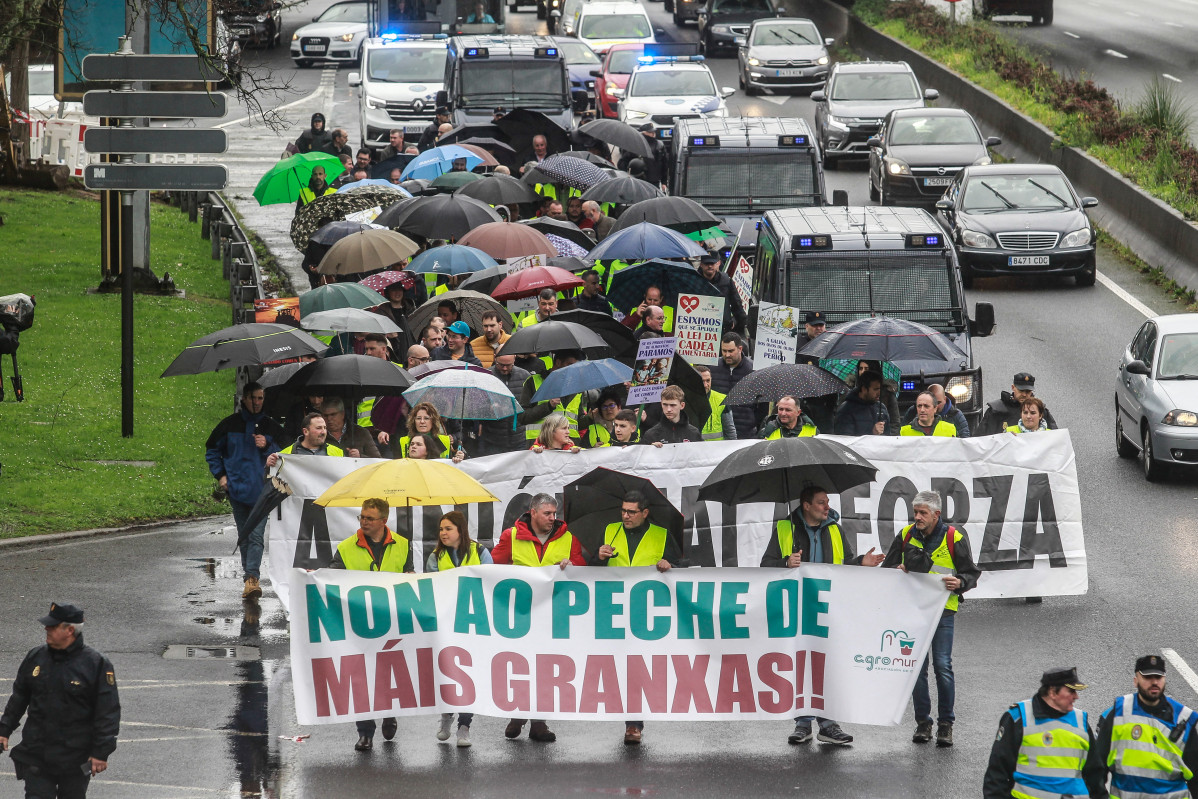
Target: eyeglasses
[
  {"x": 362, "y": 518},
  {"x": 607, "y": 406},
  {"x": 626, "y": 512},
  {"x": 415, "y": 359}
]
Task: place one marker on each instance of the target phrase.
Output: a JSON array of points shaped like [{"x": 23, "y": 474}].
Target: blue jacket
[
  {"x": 231, "y": 452},
  {"x": 857, "y": 418}
]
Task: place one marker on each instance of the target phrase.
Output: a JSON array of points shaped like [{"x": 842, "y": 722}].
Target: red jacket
[{"x": 502, "y": 552}]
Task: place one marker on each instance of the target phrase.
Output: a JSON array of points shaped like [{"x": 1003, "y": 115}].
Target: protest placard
[
  {"x": 742, "y": 281},
  {"x": 651, "y": 371},
  {"x": 698, "y": 325},
  {"x": 776, "y": 340}
]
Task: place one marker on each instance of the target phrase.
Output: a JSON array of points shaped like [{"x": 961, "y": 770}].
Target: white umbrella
[{"x": 349, "y": 320}]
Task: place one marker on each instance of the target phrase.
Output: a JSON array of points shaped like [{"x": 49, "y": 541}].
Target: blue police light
[
  {"x": 645, "y": 59},
  {"x": 817, "y": 242},
  {"x": 925, "y": 240},
  {"x": 390, "y": 36},
  {"x": 545, "y": 52},
  {"x": 805, "y": 241},
  {"x": 477, "y": 52},
  {"x": 704, "y": 141},
  {"x": 908, "y": 385},
  {"x": 792, "y": 141}
]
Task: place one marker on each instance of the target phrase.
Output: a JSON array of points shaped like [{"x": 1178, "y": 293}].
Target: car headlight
[
  {"x": 1078, "y": 238},
  {"x": 972, "y": 238},
  {"x": 983, "y": 161},
  {"x": 754, "y": 62},
  {"x": 838, "y": 122},
  {"x": 1181, "y": 418},
  {"x": 635, "y": 114},
  {"x": 295, "y": 36},
  {"x": 822, "y": 61},
  {"x": 346, "y": 37},
  {"x": 373, "y": 102},
  {"x": 720, "y": 29},
  {"x": 960, "y": 389},
  {"x": 610, "y": 89},
  {"x": 896, "y": 167}
]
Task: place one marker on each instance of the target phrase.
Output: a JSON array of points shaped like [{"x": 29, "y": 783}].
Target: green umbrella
[
  {"x": 844, "y": 368},
  {"x": 283, "y": 181},
  {"x": 454, "y": 180},
  {"x": 706, "y": 234},
  {"x": 338, "y": 295}
]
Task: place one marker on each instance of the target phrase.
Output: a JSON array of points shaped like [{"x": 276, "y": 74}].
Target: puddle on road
[
  {"x": 195, "y": 652},
  {"x": 219, "y": 567}
]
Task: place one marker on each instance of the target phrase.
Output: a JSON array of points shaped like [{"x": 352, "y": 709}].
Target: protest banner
[
  {"x": 1016, "y": 497},
  {"x": 777, "y": 335},
  {"x": 651, "y": 371},
  {"x": 520, "y": 263},
  {"x": 698, "y": 325},
  {"x": 366, "y": 215},
  {"x": 843, "y": 642},
  {"x": 742, "y": 281}
]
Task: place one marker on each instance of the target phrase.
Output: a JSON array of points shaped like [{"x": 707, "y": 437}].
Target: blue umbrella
[
  {"x": 451, "y": 259},
  {"x": 628, "y": 285},
  {"x": 644, "y": 241},
  {"x": 583, "y": 376},
  {"x": 334, "y": 232},
  {"x": 437, "y": 161},
  {"x": 464, "y": 394},
  {"x": 357, "y": 184}
]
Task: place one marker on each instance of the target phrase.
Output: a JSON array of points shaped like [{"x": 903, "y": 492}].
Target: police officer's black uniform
[{"x": 74, "y": 713}]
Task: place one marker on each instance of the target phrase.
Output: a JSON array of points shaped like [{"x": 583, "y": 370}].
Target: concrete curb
[{"x": 33, "y": 541}]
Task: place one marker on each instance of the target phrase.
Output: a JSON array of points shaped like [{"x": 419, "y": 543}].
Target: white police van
[
  {"x": 402, "y": 71},
  {"x": 671, "y": 81}
]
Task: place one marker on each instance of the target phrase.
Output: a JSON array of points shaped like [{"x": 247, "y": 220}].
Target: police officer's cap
[
  {"x": 647, "y": 127},
  {"x": 1062, "y": 677},
  {"x": 815, "y": 318},
  {"x": 1151, "y": 666},
  {"x": 61, "y": 614},
  {"x": 1024, "y": 381},
  {"x": 442, "y": 110}
]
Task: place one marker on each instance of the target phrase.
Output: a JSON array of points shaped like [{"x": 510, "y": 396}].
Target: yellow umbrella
[{"x": 406, "y": 482}]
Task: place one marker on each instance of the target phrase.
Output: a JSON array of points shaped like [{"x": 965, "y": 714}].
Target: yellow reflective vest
[
  {"x": 524, "y": 552},
  {"x": 942, "y": 558},
  {"x": 806, "y": 431},
  {"x": 650, "y": 550},
  {"x": 785, "y": 530},
  {"x": 306, "y": 195},
  {"x": 445, "y": 562},
  {"x": 1144, "y": 759},
  {"x": 446, "y": 443},
  {"x": 1051, "y": 755},
  {"x": 572, "y": 409},
  {"x": 356, "y": 555},
  {"x": 942, "y": 428},
  {"x": 330, "y": 449},
  {"x": 714, "y": 429}
]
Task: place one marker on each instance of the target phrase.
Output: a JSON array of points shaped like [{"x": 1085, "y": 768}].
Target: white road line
[
  {"x": 1114, "y": 53},
  {"x": 1167, "y": 76},
  {"x": 185, "y": 729},
  {"x": 773, "y": 98},
  {"x": 1071, "y": 35},
  {"x": 1175, "y": 25},
  {"x": 327, "y": 79},
  {"x": 1118, "y": 291},
  {"x": 1182, "y": 667},
  {"x": 1131, "y": 14}
]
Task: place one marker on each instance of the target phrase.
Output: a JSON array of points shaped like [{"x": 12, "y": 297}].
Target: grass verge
[{"x": 51, "y": 480}]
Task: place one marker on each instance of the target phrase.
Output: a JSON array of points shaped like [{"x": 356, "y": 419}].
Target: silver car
[
  {"x": 782, "y": 54},
  {"x": 1156, "y": 395}
]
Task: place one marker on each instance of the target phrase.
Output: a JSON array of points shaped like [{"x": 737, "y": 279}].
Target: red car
[{"x": 614, "y": 74}]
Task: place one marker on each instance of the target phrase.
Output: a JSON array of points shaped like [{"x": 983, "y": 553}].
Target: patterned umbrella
[
  {"x": 845, "y": 368},
  {"x": 379, "y": 281},
  {"x": 583, "y": 376},
  {"x": 625, "y": 190},
  {"x": 799, "y": 380},
  {"x": 643, "y": 241},
  {"x": 628, "y": 285},
  {"x": 565, "y": 248},
  {"x": 438, "y": 160},
  {"x": 465, "y": 394},
  {"x": 451, "y": 259},
  {"x": 367, "y": 251},
  {"x": 333, "y": 232},
  {"x": 562, "y": 228},
  {"x": 528, "y": 282},
  {"x": 677, "y": 213},
  {"x": 884, "y": 338},
  {"x": 334, "y": 208},
  {"x": 440, "y": 216},
  {"x": 357, "y": 184},
  {"x": 590, "y": 157},
  {"x": 507, "y": 240},
  {"x": 471, "y": 307},
  {"x": 574, "y": 172},
  {"x": 338, "y": 295}
]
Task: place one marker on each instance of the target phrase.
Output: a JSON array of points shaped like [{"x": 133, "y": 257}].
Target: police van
[
  {"x": 483, "y": 73},
  {"x": 402, "y": 70},
  {"x": 856, "y": 262},
  {"x": 670, "y": 81}
]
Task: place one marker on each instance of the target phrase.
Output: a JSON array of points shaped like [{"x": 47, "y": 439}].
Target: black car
[
  {"x": 724, "y": 24},
  {"x": 1018, "y": 219},
  {"x": 918, "y": 151},
  {"x": 253, "y": 22}
]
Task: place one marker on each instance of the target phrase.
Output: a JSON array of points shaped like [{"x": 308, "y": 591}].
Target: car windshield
[
  {"x": 615, "y": 26},
  {"x": 1179, "y": 357},
  {"x": 874, "y": 86},
  {"x": 736, "y": 6},
  {"x": 406, "y": 66},
  {"x": 791, "y": 33},
  {"x": 578, "y": 53},
  {"x": 346, "y": 12},
  {"x": 908, "y": 130},
  {"x": 538, "y": 82},
  {"x": 994, "y": 193},
  {"x": 624, "y": 61},
  {"x": 683, "y": 83}
]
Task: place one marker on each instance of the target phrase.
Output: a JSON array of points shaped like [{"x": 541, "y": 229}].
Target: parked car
[
  {"x": 612, "y": 77},
  {"x": 254, "y": 22},
  {"x": 783, "y": 53},
  {"x": 1156, "y": 395},
  {"x": 1019, "y": 219},
  {"x": 723, "y": 22},
  {"x": 918, "y": 151},
  {"x": 334, "y": 36}
]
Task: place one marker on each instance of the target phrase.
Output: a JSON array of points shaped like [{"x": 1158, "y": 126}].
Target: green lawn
[{"x": 70, "y": 362}]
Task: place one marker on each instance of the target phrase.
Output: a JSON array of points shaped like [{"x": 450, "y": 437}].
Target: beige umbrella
[
  {"x": 509, "y": 240},
  {"x": 367, "y": 251}
]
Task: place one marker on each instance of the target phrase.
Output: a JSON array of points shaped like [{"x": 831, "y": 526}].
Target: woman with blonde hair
[{"x": 555, "y": 435}]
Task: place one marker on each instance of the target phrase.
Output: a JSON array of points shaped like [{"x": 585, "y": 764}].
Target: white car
[
  {"x": 398, "y": 85},
  {"x": 601, "y": 25},
  {"x": 662, "y": 92},
  {"x": 336, "y": 36}
]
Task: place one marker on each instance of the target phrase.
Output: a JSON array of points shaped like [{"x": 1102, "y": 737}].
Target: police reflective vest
[
  {"x": 598, "y": 436},
  {"x": 445, "y": 562},
  {"x": 1016, "y": 429},
  {"x": 330, "y": 449},
  {"x": 1145, "y": 757},
  {"x": 524, "y": 552},
  {"x": 714, "y": 429},
  {"x": 307, "y": 195},
  {"x": 942, "y": 428},
  {"x": 785, "y": 530},
  {"x": 942, "y": 558},
  {"x": 571, "y": 409},
  {"x": 446, "y": 445},
  {"x": 356, "y": 555},
  {"x": 649, "y": 551},
  {"x": 807, "y": 430},
  {"x": 1052, "y": 754}
]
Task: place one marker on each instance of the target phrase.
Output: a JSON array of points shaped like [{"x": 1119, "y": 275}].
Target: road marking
[
  {"x": 775, "y": 99},
  {"x": 327, "y": 78},
  {"x": 1114, "y": 53},
  {"x": 96, "y": 539},
  {"x": 1071, "y": 35},
  {"x": 1182, "y": 667},
  {"x": 1167, "y": 76},
  {"x": 1119, "y": 292},
  {"x": 1175, "y": 25},
  {"x": 185, "y": 729},
  {"x": 1131, "y": 14}
]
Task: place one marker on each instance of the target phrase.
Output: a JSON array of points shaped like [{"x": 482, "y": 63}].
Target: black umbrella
[
  {"x": 883, "y": 338},
  {"x": 484, "y": 282},
  {"x": 499, "y": 190},
  {"x": 382, "y": 170},
  {"x": 574, "y": 172},
  {"x": 776, "y": 470},
  {"x": 677, "y": 213},
  {"x": 698, "y": 406},
  {"x": 561, "y": 227},
  {"x": 619, "y": 134},
  {"x": 359, "y": 375},
  {"x": 415, "y": 186},
  {"x": 593, "y": 501},
  {"x": 550, "y": 336},
  {"x": 571, "y": 263},
  {"x": 629, "y": 284},
  {"x": 278, "y": 399},
  {"x": 471, "y": 307},
  {"x": 798, "y": 380},
  {"x": 441, "y": 216},
  {"x": 520, "y": 125},
  {"x": 625, "y": 190},
  {"x": 463, "y": 134},
  {"x": 489, "y": 144},
  {"x": 274, "y": 491},
  {"x": 252, "y": 344},
  {"x": 334, "y": 232},
  {"x": 391, "y": 212},
  {"x": 619, "y": 338}
]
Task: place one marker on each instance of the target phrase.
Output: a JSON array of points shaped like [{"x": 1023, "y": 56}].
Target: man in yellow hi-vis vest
[
  {"x": 932, "y": 545},
  {"x": 812, "y": 534},
  {"x": 927, "y": 422},
  {"x": 635, "y": 541}
]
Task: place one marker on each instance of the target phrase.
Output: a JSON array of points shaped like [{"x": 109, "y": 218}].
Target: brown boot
[
  {"x": 539, "y": 731},
  {"x": 252, "y": 589},
  {"x": 632, "y": 736},
  {"x": 514, "y": 727}
]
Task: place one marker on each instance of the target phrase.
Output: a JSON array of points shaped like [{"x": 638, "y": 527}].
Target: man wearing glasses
[{"x": 374, "y": 548}]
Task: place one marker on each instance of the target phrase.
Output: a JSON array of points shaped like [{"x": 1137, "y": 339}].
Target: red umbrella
[
  {"x": 488, "y": 159},
  {"x": 528, "y": 282},
  {"x": 380, "y": 280},
  {"x": 508, "y": 240}
]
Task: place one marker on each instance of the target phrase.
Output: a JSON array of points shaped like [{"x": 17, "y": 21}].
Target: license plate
[
  {"x": 315, "y": 48},
  {"x": 243, "y": 31},
  {"x": 937, "y": 181},
  {"x": 665, "y": 133},
  {"x": 1027, "y": 260},
  {"x": 790, "y": 73}
]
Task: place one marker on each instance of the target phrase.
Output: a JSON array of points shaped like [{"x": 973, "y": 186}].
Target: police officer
[
  {"x": 1044, "y": 748},
  {"x": 1146, "y": 740},
  {"x": 70, "y": 692}
]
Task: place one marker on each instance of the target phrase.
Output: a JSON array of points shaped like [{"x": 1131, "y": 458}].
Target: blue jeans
[
  {"x": 251, "y": 548},
  {"x": 806, "y": 721},
  {"x": 941, "y": 656}
]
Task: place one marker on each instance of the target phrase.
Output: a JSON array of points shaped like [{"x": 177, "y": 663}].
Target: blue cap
[{"x": 459, "y": 327}]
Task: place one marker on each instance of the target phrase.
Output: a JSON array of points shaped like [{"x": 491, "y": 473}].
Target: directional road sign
[
  {"x": 154, "y": 68},
  {"x": 164, "y": 105},
  {"x": 154, "y": 140},
  {"x": 155, "y": 177}
]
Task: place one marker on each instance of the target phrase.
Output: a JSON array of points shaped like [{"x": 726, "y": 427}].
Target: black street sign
[
  {"x": 181, "y": 105},
  {"x": 155, "y": 177},
  {"x": 154, "y": 140},
  {"x": 154, "y": 68}
]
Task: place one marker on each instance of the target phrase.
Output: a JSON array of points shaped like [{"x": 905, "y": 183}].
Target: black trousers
[{"x": 42, "y": 783}]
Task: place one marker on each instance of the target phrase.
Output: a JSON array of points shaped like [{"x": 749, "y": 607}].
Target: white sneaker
[
  {"x": 463, "y": 735},
  {"x": 446, "y": 725}
]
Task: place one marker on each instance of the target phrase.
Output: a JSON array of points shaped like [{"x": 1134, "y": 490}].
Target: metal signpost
[{"x": 125, "y": 175}]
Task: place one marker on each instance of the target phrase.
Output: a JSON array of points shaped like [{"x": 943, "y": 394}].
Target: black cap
[
  {"x": 61, "y": 614},
  {"x": 709, "y": 258},
  {"x": 1151, "y": 666},
  {"x": 1024, "y": 381},
  {"x": 1062, "y": 676},
  {"x": 815, "y": 318},
  {"x": 442, "y": 110},
  {"x": 499, "y": 110},
  {"x": 648, "y": 127}
]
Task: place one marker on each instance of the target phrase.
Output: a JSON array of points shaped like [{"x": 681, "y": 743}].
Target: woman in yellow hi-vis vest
[
  {"x": 374, "y": 548},
  {"x": 454, "y": 549},
  {"x": 1031, "y": 417}
]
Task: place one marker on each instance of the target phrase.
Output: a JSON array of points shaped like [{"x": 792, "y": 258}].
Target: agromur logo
[{"x": 896, "y": 648}]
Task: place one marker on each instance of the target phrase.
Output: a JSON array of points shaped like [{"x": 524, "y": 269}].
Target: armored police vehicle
[
  {"x": 856, "y": 262},
  {"x": 401, "y": 74}
]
